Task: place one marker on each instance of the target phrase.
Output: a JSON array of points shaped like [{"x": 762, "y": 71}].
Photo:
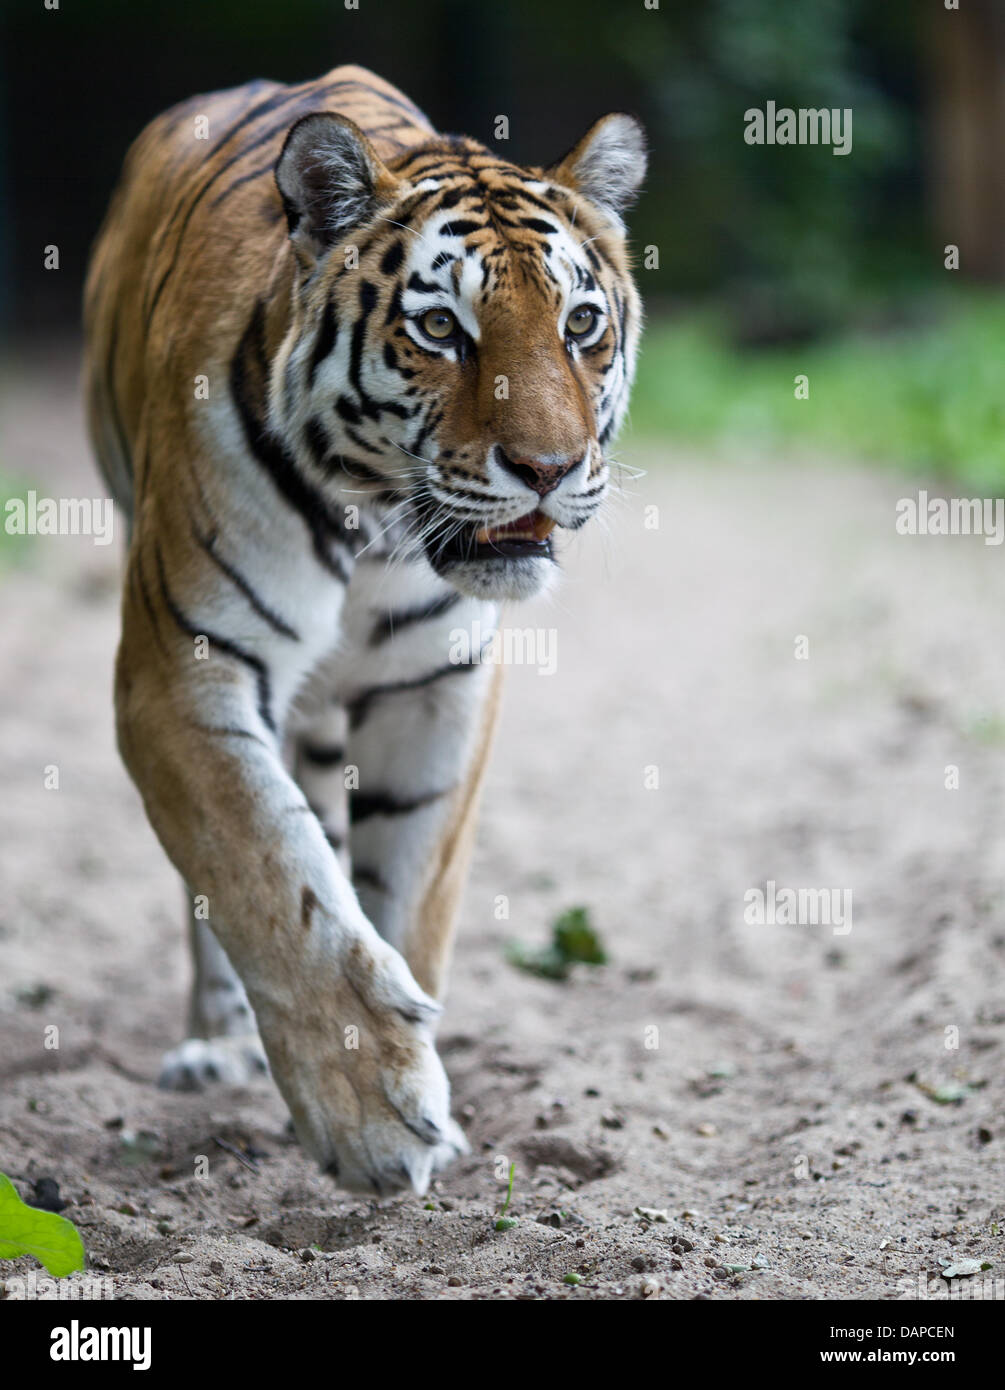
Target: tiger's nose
[{"x": 543, "y": 475}]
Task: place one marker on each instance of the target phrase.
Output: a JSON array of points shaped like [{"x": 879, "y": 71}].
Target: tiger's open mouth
[{"x": 527, "y": 536}]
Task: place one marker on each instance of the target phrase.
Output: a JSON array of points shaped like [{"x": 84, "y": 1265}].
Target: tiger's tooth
[
  {"x": 543, "y": 526},
  {"x": 482, "y": 535}
]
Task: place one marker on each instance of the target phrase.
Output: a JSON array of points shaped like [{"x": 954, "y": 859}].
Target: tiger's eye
[
  {"x": 439, "y": 323},
  {"x": 580, "y": 321}
]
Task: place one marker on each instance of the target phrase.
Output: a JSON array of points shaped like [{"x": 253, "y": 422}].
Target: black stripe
[
  {"x": 363, "y": 805},
  {"x": 324, "y": 525},
  {"x": 394, "y": 307},
  {"x": 426, "y": 430},
  {"x": 325, "y": 340},
  {"x": 462, "y": 228},
  {"x": 327, "y": 755},
  {"x": 316, "y": 437},
  {"x": 367, "y": 300},
  {"x": 392, "y": 257},
  {"x": 359, "y": 708},
  {"x": 364, "y": 876},
  {"x": 360, "y": 473},
  {"x": 402, "y": 103},
  {"x": 253, "y": 663},
  {"x": 420, "y": 286},
  {"x": 361, "y": 443},
  {"x": 208, "y": 544},
  {"x": 245, "y": 178},
  {"x": 390, "y": 624},
  {"x": 538, "y": 224}
]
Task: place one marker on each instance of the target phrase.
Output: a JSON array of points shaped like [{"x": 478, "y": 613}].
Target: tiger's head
[{"x": 463, "y": 338}]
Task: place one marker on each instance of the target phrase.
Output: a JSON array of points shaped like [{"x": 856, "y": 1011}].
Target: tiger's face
[{"x": 463, "y": 339}]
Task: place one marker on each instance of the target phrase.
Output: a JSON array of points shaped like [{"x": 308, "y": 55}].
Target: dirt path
[{"x": 765, "y": 1086}]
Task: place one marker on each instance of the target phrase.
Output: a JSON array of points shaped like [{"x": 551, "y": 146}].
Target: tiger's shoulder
[{"x": 197, "y": 215}]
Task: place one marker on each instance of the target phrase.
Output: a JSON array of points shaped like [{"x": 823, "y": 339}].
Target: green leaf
[
  {"x": 51, "y": 1239},
  {"x": 544, "y": 961},
  {"x": 506, "y": 1223},
  {"x": 575, "y": 938},
  {"x": 509, "y": 1189},
  {"x": 572, "y": 1278}
]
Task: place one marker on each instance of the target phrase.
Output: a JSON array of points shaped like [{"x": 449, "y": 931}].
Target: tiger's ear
[
  {"x": 607, "y": 165},
  {"x": 330, "y": 180}
]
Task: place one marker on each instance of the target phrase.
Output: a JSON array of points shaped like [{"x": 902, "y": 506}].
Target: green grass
[{"x": 928, "y": 398}]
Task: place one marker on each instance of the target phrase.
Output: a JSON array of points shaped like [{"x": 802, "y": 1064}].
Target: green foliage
[
  {"x": 573, "y": 939},
  {"x": 51, "y": 1239},
  {"x": 784, "y": 234},
  {"x": 504, "y": 1222},
  {"x": 926, "y": 396}
]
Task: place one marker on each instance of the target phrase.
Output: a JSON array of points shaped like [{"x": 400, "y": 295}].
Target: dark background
[
  {"x": 761, "y": 250},
  {"x": 78, "y": 83}
]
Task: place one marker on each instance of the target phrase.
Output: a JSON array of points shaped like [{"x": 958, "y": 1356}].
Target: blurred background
[{"x": 763, "y": 262}]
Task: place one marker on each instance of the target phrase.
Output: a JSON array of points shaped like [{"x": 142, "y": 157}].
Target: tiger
[{"x": 347, "y": 380}]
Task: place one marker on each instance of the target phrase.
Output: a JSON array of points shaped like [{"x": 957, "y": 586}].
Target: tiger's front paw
[{"x": 359, "y": 1070}]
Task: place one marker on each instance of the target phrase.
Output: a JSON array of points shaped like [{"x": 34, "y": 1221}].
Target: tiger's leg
[
  {"x": 319, "y": 768},
  {"x": 346, "y": 1027},
  {"x": 417, "y": 747},
  {"x": 222, "y": 1043},
  {"x": 412, "y": 821},
  {"x": 417, "y": 750}
]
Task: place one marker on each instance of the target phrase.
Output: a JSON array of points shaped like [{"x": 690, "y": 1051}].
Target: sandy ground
[{"x": 767, "y": 1088}]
